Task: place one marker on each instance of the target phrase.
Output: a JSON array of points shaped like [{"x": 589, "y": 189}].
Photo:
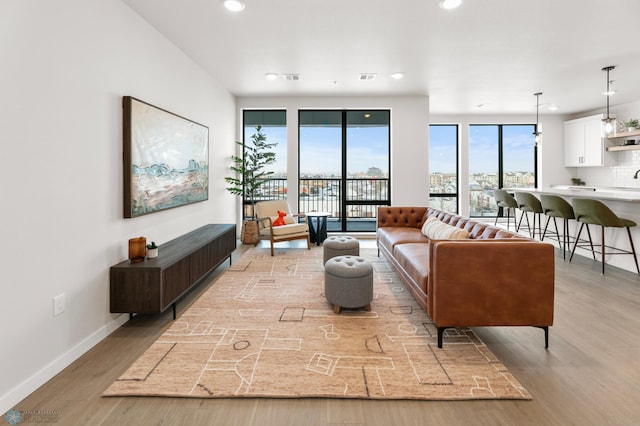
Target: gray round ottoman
[
  {"x": 340, "y": 246},
  {"x": 348, "y": 282}
]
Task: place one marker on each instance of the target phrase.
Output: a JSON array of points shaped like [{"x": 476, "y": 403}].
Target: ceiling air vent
[
  {"x": 367, "y": 76},
  {"x": 291, "y": 77}
]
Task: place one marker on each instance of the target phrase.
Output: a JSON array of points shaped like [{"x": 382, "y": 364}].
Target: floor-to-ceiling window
[
  {"x": 273, "y": 124},
  {"x": 344, "y": 165},
  {"x": 443, "y": 167},
  {"x": 500, "y": 156}
]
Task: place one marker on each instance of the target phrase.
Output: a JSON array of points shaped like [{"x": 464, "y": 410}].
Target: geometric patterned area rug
[{"x": 265, "y": 329}]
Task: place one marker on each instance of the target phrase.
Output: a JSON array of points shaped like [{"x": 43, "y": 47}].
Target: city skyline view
[{"x": 367, "y": 151}]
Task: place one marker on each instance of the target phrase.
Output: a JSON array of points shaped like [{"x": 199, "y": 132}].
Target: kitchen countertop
[{"x": 597, "y": 192}]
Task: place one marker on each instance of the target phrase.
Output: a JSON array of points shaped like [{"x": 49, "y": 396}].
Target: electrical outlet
[{"x": 58, "y": 304}]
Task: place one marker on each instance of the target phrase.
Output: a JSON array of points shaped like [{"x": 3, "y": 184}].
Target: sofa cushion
[
  {"x": 489, "y": 232},
  {"x": 437, "y": 230},
  {"x": 414, "y": 259},
  {"x": 502, "y": 234},
  {"x": 392, "y": 236}
]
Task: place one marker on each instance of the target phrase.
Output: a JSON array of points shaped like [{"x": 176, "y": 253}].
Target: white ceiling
[{"x": 492, "y": 52}]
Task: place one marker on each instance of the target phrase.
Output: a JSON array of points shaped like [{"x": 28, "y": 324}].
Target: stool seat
[
  {"x": 557, "y": 207},
  {"x": 594, "y": 212},
  {"x": 348, "y": 282},
  {"x": 529, "y": 203},
  {"x": 340, "y": 246},
  {"x": 504, "y": 200}
]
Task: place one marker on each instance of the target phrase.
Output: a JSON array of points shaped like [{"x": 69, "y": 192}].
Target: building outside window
[
  {"x": 344, "y": 165},
  {"x": 443, "y": 167},
  {"x": 500, "y": 156}
]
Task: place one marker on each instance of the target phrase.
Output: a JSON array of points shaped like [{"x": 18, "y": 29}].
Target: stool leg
[
  {"x": 576, "y": 243},
  {"x": 565, "y": 238},
  {"x": 336, "y": 309},
  {"x": 555, "y": 225},
  {"x": 593, "y": 252},
  {"x": 545, "y": 228},
  {"x": 528, "y": 224},
  {"x": 520, "y": 221},
  {"x": 633, "y": 250},
  {"x": 603, "y": 246}
]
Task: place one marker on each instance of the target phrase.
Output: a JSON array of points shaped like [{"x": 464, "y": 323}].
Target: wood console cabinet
[{"x": 153, "y": 285}]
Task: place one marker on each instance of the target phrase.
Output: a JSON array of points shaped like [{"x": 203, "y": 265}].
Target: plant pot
[
  {"x": 249, "y": 233},
  {"x": 151, "y": 253}
]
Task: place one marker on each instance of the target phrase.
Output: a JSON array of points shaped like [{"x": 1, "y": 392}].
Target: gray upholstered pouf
[
  {"x": 340, "y": 246},
  {"x": 348, "y": 282}
]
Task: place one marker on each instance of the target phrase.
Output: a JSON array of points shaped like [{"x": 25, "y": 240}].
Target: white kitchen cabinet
[{"x": 583, "y": 143}]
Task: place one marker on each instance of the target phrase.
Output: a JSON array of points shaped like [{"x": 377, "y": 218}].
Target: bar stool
[
  {"x": 528, "y": 203},
  {"x": 553, "y": 207},
  {"x": 504, "y": 200},
  {"x": 594, "y": 212}
]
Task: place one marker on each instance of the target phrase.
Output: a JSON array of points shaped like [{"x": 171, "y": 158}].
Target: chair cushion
[{"x": 288, "y": 229}]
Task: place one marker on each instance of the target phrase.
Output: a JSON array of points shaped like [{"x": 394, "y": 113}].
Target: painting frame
[{"x": 165, "y": 159}]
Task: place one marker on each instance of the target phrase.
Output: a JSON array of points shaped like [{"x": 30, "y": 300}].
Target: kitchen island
[{"x": 622, "y": 201}]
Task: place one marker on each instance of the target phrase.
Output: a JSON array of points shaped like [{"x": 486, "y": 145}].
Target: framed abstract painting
[{"x": 165, "y": 158}]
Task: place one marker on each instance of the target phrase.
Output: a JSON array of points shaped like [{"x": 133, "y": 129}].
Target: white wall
[
  {"x": 65, "y": 67},
  {"x": 409, "y": 138},
  {"x": 550, "y": 163}
]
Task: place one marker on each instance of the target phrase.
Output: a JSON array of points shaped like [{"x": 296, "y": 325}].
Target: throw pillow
[
  {"x": 428, "y": 223},
  {"x": 280, "y": 220},
  {"x": 437, "y": 230}
]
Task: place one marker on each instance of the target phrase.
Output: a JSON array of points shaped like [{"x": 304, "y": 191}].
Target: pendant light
[
  {"x": 608, "y": 123},
  {"x": 537, "y": 133}
]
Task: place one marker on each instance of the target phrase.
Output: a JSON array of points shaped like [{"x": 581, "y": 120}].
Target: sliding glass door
[{"x": 344, "y": 166}]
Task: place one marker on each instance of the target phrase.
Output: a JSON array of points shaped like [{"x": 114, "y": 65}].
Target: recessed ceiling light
[
  {"x": 234, "y": 5},
  {"x": 397, "y": 75},
  {"x": 609, "y": 93},
  {"x": 449, "y": 4},
  {"x": 552, "y": 107},
  {"x": 271, "y": 76}
]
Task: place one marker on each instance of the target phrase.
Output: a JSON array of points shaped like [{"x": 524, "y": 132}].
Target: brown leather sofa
[{"x": 493, "y": 278}]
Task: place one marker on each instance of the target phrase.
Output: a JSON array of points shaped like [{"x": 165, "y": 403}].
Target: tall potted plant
[{"x": 250, "y": 174}]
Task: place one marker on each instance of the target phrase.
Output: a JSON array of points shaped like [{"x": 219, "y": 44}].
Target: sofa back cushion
[
  {"x": 435, "y": 229},
  {"x": 410, "y": 217}
]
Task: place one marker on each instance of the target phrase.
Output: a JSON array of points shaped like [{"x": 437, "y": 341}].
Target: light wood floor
[{"x": 590, "y": 375}]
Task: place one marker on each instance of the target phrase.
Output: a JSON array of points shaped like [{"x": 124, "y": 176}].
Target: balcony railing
[{"x": 363, "y": 196}]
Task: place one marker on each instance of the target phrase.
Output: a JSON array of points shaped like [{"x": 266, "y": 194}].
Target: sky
[
  {"x": 368, "y": 147},
  {"x": 518, "y": 148},
  {"x": 321, "y": 149}
]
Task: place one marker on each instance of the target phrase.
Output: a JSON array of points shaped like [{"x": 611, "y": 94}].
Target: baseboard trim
[{"x": 17, "y": 394}]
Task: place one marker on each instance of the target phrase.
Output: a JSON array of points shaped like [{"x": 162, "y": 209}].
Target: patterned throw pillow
[{"x": 434, "y": 229}]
